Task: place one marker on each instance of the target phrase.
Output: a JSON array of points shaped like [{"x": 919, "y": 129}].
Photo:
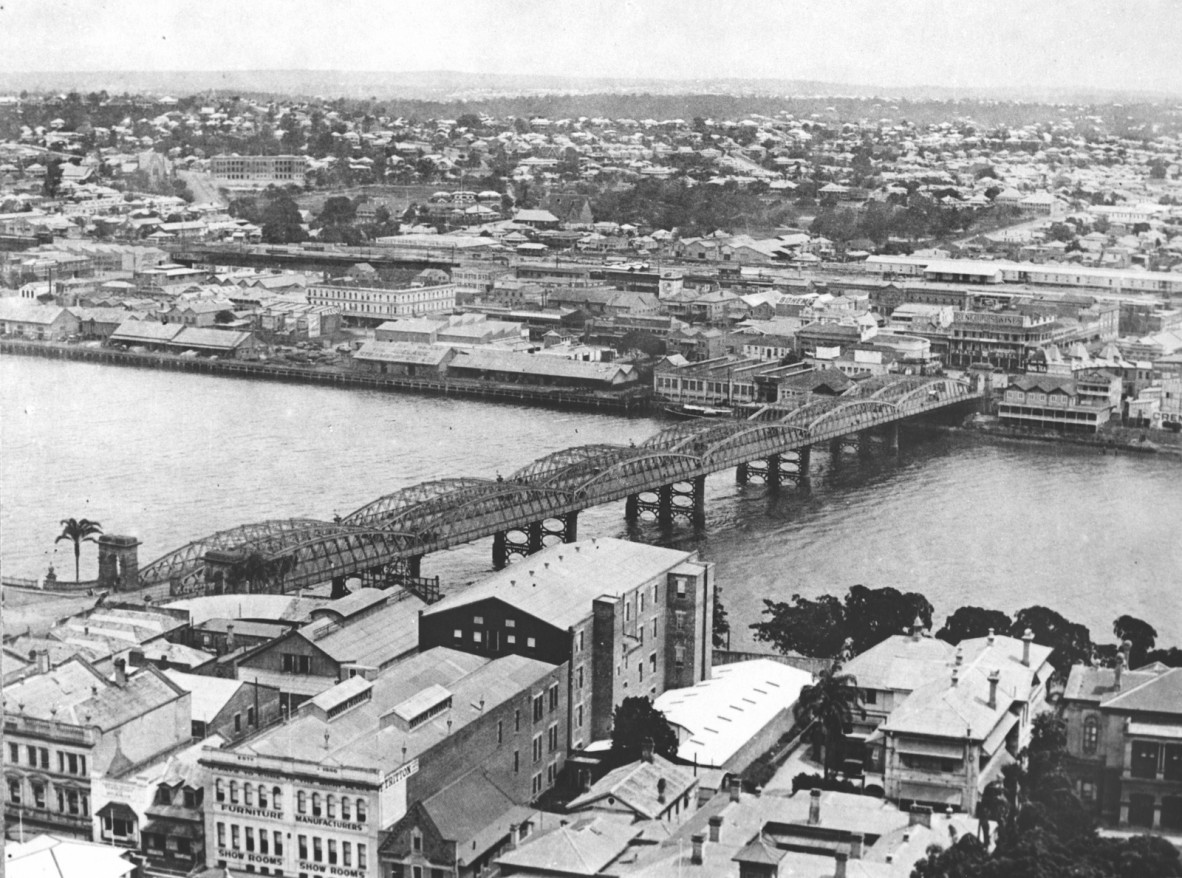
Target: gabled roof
[
  {"x": 1161, "y": 694},
  {"x": 583, "y": 847},
  {"x": 647, "y": 788}
]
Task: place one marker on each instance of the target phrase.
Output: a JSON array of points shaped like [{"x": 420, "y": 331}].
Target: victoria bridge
[{"x": 384, "y": 541}]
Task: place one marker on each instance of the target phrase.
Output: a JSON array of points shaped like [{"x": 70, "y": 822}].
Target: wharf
[{"x": 632, "y": 402}]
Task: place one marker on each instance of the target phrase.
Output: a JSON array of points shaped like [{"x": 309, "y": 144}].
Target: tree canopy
[
  {"x": 634, "y": 721},
  {"x": 821, "y": 627},
  {"x": 969, "y": 622}
]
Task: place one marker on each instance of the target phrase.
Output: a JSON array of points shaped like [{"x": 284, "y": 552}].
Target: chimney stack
[
  {"x": 994, "y": 677},
  {"x": 698, "y": 841},
  {"x": 716, "y": 828},
  {"x": 921, "y": 815},
  {"x": 646, "y": 750},
  {"x": 839, "y": 864},
  {"x": 814, "y": 807},
  {"x": 512, "y": 837},
  {"x": 230, "y": 641},
  {"x": 992, "y": 637},
  {"x": 856, "y": 846},
  {"x": 120, "y": 672},
  {"x": 955, "y": 676},
  {"x": 42, "y": 658},
  {"x": 736, "y": 789},
  {"x": 959, "y": 655},
  {"x": 1027, "y": 639},
  {"x": 1122, "y": 660}
]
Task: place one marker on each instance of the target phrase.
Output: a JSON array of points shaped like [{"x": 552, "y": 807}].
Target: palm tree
[
  {"x": 78, "y": 531},
  {"x": 829, "y": 703}
]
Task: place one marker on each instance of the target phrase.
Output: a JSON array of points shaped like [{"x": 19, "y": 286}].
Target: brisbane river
[{"x": 170, "y": 457}]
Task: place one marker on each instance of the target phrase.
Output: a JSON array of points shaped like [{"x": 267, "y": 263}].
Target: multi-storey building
[
  {"x": 1001, "y": 338},
  {"x": 626, "y": 618},
  {"x": 1124, "y": 740},
  {"x": 309, "y": 797},
  {"x": 373, "y": 305},
  {"x": 259, "y": 168},
  {"x": 1081, "y": 403},
  {"x": 65, "y": 725}
]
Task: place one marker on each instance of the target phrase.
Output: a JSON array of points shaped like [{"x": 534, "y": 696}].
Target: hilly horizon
[{"x": 459, "y": 86}]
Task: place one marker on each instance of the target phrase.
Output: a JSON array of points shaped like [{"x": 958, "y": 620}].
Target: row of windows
[
  {"x": 38, "y": 757},
  {"x": 72, "y": 802},
  {"x": 250, "y": 839}
]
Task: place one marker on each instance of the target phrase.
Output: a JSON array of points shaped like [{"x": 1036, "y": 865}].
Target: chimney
[
  {"x": 230, "y": 642},
  {"x": 716, "y": 828},
  {"x": 992, "y": 637},
  {"x": 646, "y": 750},
  {"x": 959, "y": 655},
  {"x": 661, "y": 790},
  {"x": 856, "y": 846},
  {"x": 955, "y": 676},
  {"x": 42, "y": 658},
  {"x": 120, "y": 672},
  {"x": 1027, "y": 639},
  {"x": 736, "y": 789},
  {"x": 699, "y": 841},
  {"x": 512, "y": 845},
  {"x": 839, "y": 863},
  {"x": 1122, "y": 659},
  {"x": 814, "y": 807},
  {"x": 994, "y": 676},
  {"x": 921, "y": 815}
]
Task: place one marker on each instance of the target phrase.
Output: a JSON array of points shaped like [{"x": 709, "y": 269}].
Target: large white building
[{"x": 378, "y": 304}]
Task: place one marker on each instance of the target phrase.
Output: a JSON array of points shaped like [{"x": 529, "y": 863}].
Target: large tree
[
  {"x": 828, "y": 705},
  {"x": 79, "y": 531},
  {"x": 969, "y": 622},
  {"x": 1072, "y": 643},
  {"x": 1142, "y": 637},
  {"x": 635, "y": 721}
]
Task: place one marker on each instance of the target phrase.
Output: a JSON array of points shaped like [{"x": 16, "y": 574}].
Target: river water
[{"x": 171, "y": 457}]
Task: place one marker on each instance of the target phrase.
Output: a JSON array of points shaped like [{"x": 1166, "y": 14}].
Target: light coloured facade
[
  {"x": 376, "y": 304},
  {"x": 260, "y": 168}
]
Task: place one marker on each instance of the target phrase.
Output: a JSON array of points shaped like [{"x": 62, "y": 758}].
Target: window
[
  {"x": 652, "y": 662},
  {"x": 14, "y": 791},
  {"x": 302, "y": 802},
  {"x": 296, "y": 664},
  {"x": 458, "y": 634},
  {"x": 516, "y": 762},
  {"x": 654, "y": 629},
  {"x": 416, "y": 842},
  {"x": 1091, "y": 734},
  {"x": 580, "y": 641},
  {"x": 250, "y": 717},
  {"x": 530, "y": 643},
  {"x": 517, "y": 720},
  {"x": 221, "y": 835},
  {"x": 551, "y": 773},
  {"x": 579, "y": 717},
  {"x": 579, "y": 677},
  {"x": 38, "y": 794},
  {"x": 277, "y": 798},
  {"x": 233, "y": 792},
  {"x": 478, "y": 620},
  {"x": 248, "y": 794},
  {"x": 361, "y": 810},
  {"x": 1144, "y": 762},
  {"x": 250, "y": 838},
  {"x": 303, "y": 847},
  {"x": 870, "y": 696},
  {"x": 14, "y": 753},
  {"x": 45, "y": 758},
  {"x": 1173, "y": 762},
  {"x": 332, "y": 852},
  {"x": 536, "y": 784},
  {"x": 679, "y": 619},
  {"x": 553, "y": 697},
  {"x": 680, "y": 588},
  {"x": 346, "y": 853},
  {"x": 537, "y": 748},
  {"x": 640, "y": 598},
  {"x": 315, "y": 804},
  {"x": 362, "y": 859},
  {"x": 539, "y": 707},
  {"x": 264, "y": 845},
  {"x": 317, "y": 849},
  {"x": 679, "y": 655},
  {"x": 510, "y": 623},
  {"x": 277, "y": 837},
  {"x": 219, "y": 790},
  {"x": 235, "y": 832},
  {"x": 330, "y": 806},
  {"x": 237, "y": 722},
  {"x": 552, "y": 737},
  {"x": 262, "y": 796},
  {"x": 500, "y": 732}
]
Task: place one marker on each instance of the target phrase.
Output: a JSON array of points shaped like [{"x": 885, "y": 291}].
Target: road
[{"x": 203, "y": 186}]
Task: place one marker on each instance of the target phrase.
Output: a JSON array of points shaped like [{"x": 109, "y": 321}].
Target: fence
[{"x": 803, "y": 662}]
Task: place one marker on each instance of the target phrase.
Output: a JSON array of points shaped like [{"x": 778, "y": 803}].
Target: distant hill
[{"x": 449, "y": 86}]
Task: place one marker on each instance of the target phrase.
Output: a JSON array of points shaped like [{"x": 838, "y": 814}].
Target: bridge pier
[
  {"x": 500, "y": 550},
  {"x": 892, "y": 437},
  {"x": 741, "y": 474},
  {"x": 772, "y": 472},
  {"x": 665, "y": 505},
  {"x": 632, "y": 508}
]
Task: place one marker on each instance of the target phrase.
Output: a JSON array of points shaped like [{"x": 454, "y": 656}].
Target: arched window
[
  {"x": 233, "y": 792},
  {"x": 277, "y": 798},
  {"x": 330, "y": 804},
  {"x": 315, "y": 804},
  {"x": 248, "y": 794},
  {"x": 262, "y": 796},
  {"x": 302, "y": 802},
  {"x": 361, "y": 810},
  {"x": 219, "y": 790},
  {"x": 1091, "y": 734},
  {"x": 346, "y": 810}
]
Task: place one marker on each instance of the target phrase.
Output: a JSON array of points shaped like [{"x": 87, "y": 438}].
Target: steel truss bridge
[{"x": 385, "y": 540}]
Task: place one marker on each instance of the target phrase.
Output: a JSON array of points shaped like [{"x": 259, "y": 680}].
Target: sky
[{"x": 1104, "y": 44}]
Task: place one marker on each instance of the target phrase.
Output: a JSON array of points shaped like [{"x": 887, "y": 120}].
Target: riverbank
[
  {"x": 633, "y": 402},
  {"x": 1110, "y": 439}
]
